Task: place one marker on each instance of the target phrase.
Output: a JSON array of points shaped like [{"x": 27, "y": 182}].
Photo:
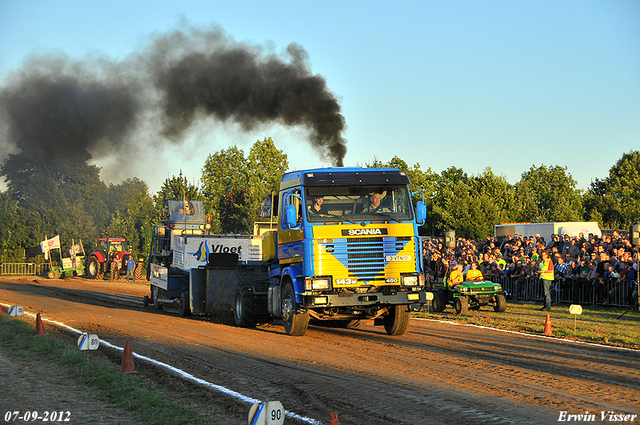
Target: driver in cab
[
  {"x": 375, "y": 204},
  {"x": 316, "y": 206}
]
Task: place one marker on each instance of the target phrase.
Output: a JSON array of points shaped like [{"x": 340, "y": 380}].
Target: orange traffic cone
[
  {"x": 547, "y": 325},
  {"x": 127, "y": 359},
  {"x": 39, "y": 325},
  {"x": 334, "y": 418}
]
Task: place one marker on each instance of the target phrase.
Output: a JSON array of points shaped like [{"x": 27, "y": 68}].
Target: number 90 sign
[{"x": 267, "y": 413}]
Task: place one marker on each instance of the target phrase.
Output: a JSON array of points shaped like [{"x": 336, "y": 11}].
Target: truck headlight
[
  {"x": 317, "y": 284},
  {"x": 497, "y": 288},
  {"x": 411, "y": 280}
]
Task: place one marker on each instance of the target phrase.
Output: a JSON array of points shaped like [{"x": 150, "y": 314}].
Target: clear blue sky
[{"x": 471, "y": 84}]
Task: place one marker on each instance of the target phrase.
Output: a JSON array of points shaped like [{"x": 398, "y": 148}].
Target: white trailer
[{"x": 545, "y": 230}]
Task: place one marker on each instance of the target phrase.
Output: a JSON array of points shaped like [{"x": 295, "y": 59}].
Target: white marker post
[
  {"x": 575, "y": 309},
  {"x": 267, "y": 413},
  {"x": 16, "y": 310},
  {"x": 88, "y": 342}
]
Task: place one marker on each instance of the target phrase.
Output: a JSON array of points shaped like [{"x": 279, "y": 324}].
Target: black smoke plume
[{"x": 58, "y": 108}]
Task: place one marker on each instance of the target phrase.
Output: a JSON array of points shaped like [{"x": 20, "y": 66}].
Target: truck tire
[
  {"x": 397, "y": 321},
  {"x": 462, "y": 305},
  {"x": 93, "y": 268},
  {"x": 242, "y": 309},
  {"x": 439, "y": 302},
  {"x": 501, "y": 304},
  {"x": 183, "y": 302},
  {"x": 295, "y": 322}
]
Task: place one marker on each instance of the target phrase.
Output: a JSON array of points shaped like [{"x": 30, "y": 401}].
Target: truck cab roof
[{"x": 338, "y": 176}]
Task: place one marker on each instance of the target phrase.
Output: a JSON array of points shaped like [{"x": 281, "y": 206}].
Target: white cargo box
[{"x": 191, "y": 251}]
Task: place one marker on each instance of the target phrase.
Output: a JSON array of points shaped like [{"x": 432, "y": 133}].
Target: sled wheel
[{"x": 242, "y": 309}]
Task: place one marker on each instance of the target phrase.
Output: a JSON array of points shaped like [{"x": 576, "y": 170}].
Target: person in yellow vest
[
  {"x": 456, "y": 275},
  {"x": 546, "y": 276},
  {"x": 474, "y": 274}
]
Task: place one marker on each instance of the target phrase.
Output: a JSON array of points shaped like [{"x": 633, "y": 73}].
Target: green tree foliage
[
  {"x": 547, "y": 194},
  {"x": 615, "y": 201},
  {"x": 266, "y": 164},
  {"x": 68, "y": 195},
  {"x": 58, "y": 195},
  {"x": 425, "y": 181},
  {"x": 472, "y": 205},
  {"x": 133, "y": 214},
  {"x": 451, "y": 196},
  {"x": 19, "y": 232},
  {"x": 234, "y": 215},
  {"x": 231, "y": 180},
  {"x": 175, "y": 188},
  {"x": 222, "y": 171}
]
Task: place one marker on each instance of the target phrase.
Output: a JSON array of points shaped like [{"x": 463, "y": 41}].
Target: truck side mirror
[
  {"x": 292, "y": 216},
  {"x": 421, "y": 213}
]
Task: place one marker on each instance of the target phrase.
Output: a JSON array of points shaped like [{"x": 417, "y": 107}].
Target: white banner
[{"x": 49, "y": 244}]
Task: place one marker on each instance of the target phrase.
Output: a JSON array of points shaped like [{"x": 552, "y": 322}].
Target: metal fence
[
  {"x": 23, "y": 269},
  {"x": 570, "y": 290}
]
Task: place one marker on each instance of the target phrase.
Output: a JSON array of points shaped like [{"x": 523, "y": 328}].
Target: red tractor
[{"x": 110, "y": 257}]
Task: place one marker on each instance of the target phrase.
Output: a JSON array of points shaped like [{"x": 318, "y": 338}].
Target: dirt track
[{"x": 437, "y": 373}]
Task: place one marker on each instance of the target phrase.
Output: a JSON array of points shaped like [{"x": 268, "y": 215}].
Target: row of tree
[
  {"x": 68, "y": 198},
  {"x": 472, "y": 205}
]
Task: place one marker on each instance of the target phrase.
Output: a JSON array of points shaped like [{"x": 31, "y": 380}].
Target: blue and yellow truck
[{"x": 345, "y": 248}]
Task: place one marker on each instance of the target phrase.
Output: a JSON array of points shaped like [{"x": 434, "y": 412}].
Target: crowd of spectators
[{"x": 607, "y": 265}]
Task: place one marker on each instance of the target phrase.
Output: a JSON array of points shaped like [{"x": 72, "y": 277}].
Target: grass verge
[
  {"x": 600, "y": 325},
  {"x": 144, "y": 399}
]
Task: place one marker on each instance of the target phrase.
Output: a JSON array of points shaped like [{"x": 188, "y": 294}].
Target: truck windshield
[{"x": 357, "y": 203}]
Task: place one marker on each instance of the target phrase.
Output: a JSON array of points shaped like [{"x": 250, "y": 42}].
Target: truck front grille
[{"x": 364, "y": 258}]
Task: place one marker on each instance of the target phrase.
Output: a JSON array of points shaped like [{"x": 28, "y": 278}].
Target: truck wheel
[
  {"x": 462, "y": 305},
  {"x": 501, "y": 304},
  {"x": 439, "y": 302},
  {"x": 295, "y": 322},
  {"x": 93, "y": 268},
  {"x": 397, "y": 321},
  {"x": 183, "y": 302},
  {"x": 242, "y": 310}
]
